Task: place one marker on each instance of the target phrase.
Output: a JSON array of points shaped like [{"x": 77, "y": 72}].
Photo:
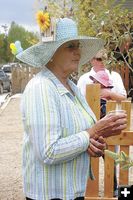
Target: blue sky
[{"x": 20, "y": 11}]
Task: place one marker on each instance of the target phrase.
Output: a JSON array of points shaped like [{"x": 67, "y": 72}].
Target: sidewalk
[{"x": 11, "y": 132}]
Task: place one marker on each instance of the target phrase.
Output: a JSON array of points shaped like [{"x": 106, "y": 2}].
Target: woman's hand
[
  {"x": 111, "y": 124},
  {"x": 96, "y": 147}
]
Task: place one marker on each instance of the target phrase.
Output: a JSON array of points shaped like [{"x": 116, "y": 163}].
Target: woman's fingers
[
  {"x": 91, "y": 153},
  {"x": 120, "y": 122},
  {"x": 100, "y": 144},
  {"x": 102, "y": 141},
  {"x": 111, "y": 124},
  {"x": 96, "y": 147}
]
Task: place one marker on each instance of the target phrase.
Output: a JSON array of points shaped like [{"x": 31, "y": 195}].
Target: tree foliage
[
  {"x": 120, "y": 158},
  {"x": 15, "y": 33},
  {"x": 56, "y": 8},
  {"x": 104, "y": 19},
  {"x": 4, "y": 52},
  {"x": 109, "y": 21}
]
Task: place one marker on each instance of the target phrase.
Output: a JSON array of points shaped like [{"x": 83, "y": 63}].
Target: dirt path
[{"x": 10, "y": 147}]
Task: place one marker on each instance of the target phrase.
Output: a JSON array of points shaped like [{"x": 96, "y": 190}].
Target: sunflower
[{"x": 43, "y": 20}]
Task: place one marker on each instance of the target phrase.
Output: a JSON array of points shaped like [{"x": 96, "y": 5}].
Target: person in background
[
  {"x": 117, "y": 92},
  {"x": 60, "y": 129},
  {"x": 102, "y": 78}
]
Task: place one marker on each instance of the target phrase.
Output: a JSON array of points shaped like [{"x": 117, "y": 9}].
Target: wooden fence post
[
  {"x": 93, "y": 99},
  {"x": 16, "y": 80}
]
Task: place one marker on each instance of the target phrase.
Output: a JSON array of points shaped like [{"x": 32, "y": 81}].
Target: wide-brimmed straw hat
[
  {"x": 66, "y": 30},
  {"x": 103, "y": 78}
]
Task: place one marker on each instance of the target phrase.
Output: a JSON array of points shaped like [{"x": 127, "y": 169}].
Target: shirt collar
[
  {"x": 60, "y": 87},
  {"x": 62, "y": 90}
]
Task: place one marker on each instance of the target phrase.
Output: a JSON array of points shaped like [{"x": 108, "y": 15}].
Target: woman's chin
[{"x": 75, "y": 68}]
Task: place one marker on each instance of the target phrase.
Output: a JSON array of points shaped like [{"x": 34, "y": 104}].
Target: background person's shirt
[
  {"x": 117, "y": 82},
  {"x": 55, "y": 161}
]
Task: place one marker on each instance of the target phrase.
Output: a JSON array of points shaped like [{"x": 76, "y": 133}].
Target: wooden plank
[
  {"x": 111, "y": 105},
  {"x": 92, "y": 188},
  {"x": 126, "y": 105},
  {"x": 125, "y": 138},
  {"x": 101, "y": 198},
  {"x": 25, "y": 77},
  {"x": 16, "y": 80},
  {"x": 109, "y": 175},
  {"x": 93, "y": 98}
]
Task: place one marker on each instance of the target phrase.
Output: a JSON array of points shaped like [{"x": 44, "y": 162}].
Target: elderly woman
[{"x": 61, "y": 132}]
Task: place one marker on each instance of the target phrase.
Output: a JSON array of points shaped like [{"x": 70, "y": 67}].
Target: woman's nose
[{"x": 77, "y": 51}]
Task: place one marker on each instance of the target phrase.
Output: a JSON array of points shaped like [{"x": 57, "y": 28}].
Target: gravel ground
[{"x": 10, "y": 147}]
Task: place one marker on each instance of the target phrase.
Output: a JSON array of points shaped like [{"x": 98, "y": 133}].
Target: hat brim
[{"x": 40, "y": 54}]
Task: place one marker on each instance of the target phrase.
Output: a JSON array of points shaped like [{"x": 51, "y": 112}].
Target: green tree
[
  {"x": 3, "y": 48},
  {"x": 104, "y": 19},
  {"x": 110, "y": 22},
  {"x": 15, "y": 33},
  {"x": 56, "y": 8}
]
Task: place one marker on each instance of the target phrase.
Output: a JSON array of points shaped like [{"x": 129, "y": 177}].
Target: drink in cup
[{"x": 117, "y": 112}]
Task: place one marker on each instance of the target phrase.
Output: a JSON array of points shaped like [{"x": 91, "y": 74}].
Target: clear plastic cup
[{"x": 117, "y": 112}]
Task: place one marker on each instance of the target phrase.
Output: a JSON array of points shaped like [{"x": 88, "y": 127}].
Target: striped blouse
[{"x": 55, "y": 161}]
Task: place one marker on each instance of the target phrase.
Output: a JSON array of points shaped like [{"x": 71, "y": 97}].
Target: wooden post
[
  {"x": 16, "y": 80},
  {"x": 126, "y": 105},
  {"x": 93, "y": 99},
  {"x": 111, "y": 105}
]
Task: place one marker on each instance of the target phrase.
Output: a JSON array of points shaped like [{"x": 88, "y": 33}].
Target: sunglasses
[
  {"x": 98, "y": 59},
  {"x": 73, "y": 46}
]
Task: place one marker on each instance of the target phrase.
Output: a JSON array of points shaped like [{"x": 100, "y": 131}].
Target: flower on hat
[{"x": 43, "y": 20}]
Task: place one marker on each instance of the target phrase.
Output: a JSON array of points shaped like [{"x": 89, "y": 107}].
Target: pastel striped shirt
[{"x": 55, "y": 160}]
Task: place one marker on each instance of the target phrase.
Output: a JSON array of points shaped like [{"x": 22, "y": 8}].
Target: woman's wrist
[{"x": 93, "y": 133}]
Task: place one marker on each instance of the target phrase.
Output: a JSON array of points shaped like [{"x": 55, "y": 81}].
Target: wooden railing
[
  {"x": 124, "y": 140},
  {"x": 21, "y": 75}
]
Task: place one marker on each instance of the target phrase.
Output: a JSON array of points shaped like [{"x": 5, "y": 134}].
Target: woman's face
[
  {"x": 67, "y": 57},
  {"x": 97, "y": 64}
]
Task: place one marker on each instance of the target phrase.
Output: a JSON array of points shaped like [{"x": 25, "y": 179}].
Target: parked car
[
  {"x": 5, "y": 83},
  {"x": 7, "y": 69}
]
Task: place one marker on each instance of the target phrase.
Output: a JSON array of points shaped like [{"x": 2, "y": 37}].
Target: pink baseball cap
[{"x": 103, "y": 78}]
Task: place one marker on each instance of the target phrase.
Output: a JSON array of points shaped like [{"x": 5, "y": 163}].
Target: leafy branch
[{"x": 120, "y": 158}]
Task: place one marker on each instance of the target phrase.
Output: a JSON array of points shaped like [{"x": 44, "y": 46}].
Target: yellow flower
[{"x": 43, "y": 20}]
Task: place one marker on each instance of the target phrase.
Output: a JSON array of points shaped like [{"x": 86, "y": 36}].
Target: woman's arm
[
  {"x": 41, "y": 116},
  {"x": 110, "y": 95}
]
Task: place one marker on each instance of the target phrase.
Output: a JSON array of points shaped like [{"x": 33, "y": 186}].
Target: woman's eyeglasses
[{"x": 73, "y": 46}]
